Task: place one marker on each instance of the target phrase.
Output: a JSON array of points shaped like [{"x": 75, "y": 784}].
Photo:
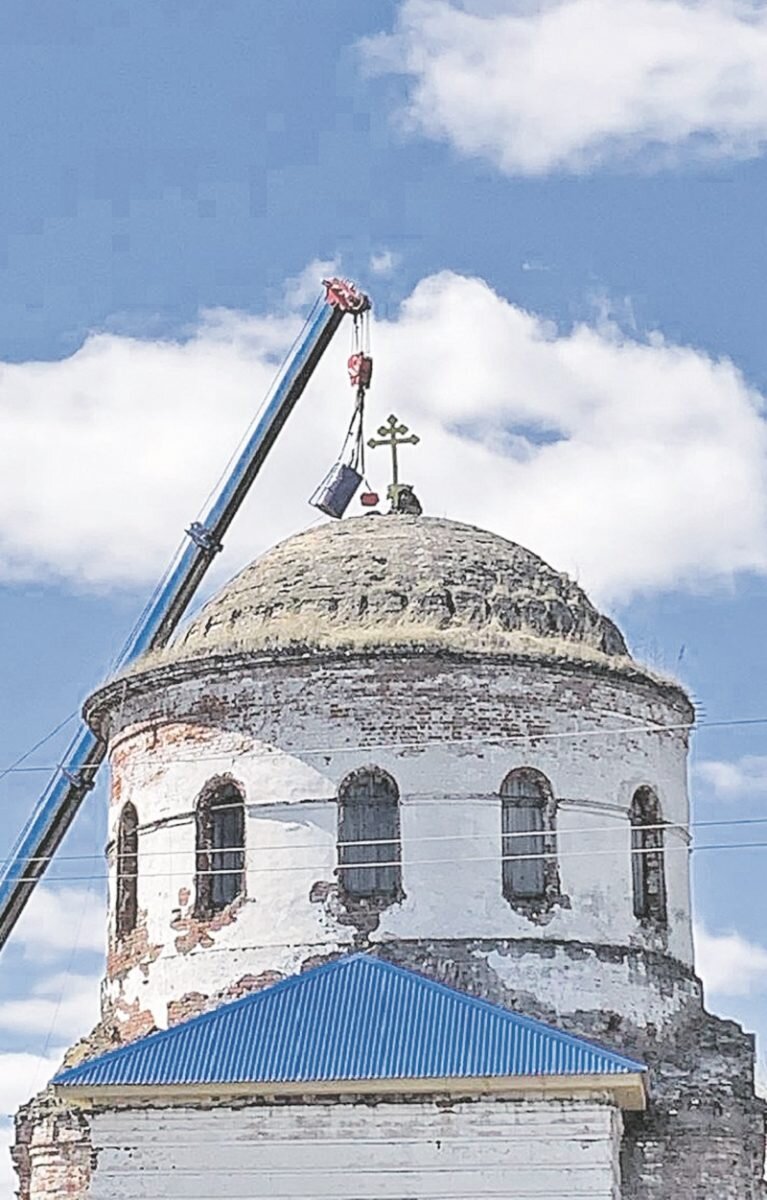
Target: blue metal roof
[{"x": 357, "y": 1018}]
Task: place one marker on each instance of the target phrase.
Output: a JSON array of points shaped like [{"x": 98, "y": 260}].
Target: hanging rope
[
  {"x": 339, "y": 486},
  {"x": 360, "y": 368}
]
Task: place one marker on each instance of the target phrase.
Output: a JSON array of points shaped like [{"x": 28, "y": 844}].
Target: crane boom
[{"x": 74, "y": 778}]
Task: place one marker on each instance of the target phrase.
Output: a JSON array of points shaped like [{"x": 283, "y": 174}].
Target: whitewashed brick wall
[
  {"x": 262, "y": 722},
  {"x": 519, "y": 1150}
]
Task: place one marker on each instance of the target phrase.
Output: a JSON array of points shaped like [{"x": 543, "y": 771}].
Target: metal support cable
[
  {"x": 425, "y": 862},
  {"x": 621, "y": 825},
  {"x": 485, "y": 740}
]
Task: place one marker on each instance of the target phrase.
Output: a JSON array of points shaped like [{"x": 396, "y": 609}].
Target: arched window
[
  {"x": 220, "y": 847},
  {"x": 648, "y": 875},
  {"x": 369, "y": 836},
  {"x": 529, "y": 868},
  {"x": 126, "y": 907}
]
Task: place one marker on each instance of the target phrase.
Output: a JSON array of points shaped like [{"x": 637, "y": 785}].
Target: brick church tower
[{"x": 410, "y": 738}]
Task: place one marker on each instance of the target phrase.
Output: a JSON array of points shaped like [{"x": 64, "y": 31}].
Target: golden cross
[{"x": 393, "y": 434}]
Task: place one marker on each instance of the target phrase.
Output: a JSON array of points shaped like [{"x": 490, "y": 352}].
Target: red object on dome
[{"x": 369, "y": 499}]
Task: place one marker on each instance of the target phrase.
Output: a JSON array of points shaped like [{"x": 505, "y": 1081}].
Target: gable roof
[{"x": 357, "y": 1019}]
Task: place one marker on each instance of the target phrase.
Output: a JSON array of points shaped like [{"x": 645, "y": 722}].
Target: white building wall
[
  {"x": 519, "y": 1150},
  {"x": 290, "y": 733}
]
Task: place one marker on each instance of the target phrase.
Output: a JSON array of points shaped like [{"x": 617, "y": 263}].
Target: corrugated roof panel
[{"x": 358, "y": 1018}]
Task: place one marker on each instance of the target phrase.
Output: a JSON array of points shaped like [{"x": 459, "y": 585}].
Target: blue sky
[{"x": 560, "y": 215}]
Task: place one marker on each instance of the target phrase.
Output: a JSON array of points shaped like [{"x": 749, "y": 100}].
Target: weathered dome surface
[{"x": 386, "y": 581}]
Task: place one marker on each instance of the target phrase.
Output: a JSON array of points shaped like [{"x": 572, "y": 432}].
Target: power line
[
  {"x": 619, "y": 826},
  {"x": 435, "y": 743},
  {"x": 15, "y": 766},
  {"x": 318, "y": 868}
]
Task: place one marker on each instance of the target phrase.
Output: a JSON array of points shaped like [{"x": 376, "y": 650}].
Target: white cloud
[
  {"x": 57, "y": 1010},
  {"x": 567, "y": 84},
  {"x": 302, "y": 289},
  {"x": 384, "y": 262},
  {"x": 746, "y": 776},
  {"x": 21, "y": 1077},
  {"x": 61, "y": 920},
  {"x": 106, "y": 455},
  {"x": 728, "y": 964},
  {"x": 633, "y": 464},
  {"x": 8, "y": 1180},
  {"x": 63, "y": 1007}
]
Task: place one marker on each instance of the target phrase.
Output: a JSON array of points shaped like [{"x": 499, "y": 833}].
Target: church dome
[
  {"x": 404, "y": 693},
  {"x": 398, "y": 581}
]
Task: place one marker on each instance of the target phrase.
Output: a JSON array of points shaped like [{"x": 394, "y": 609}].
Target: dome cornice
[{"x": 157, "y": 677}]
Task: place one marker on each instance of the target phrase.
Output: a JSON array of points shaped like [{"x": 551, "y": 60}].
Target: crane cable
[{"x": 360, "y": 367}]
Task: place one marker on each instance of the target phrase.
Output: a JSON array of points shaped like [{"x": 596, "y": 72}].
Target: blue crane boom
[{"x": 56, "y": 808}]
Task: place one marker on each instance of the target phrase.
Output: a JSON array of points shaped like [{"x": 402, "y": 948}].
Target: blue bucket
[{"x": 336, "y": 491}]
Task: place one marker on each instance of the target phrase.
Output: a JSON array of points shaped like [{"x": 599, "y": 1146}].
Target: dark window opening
[
  {"x": 648, "y": 873},
  {"x": 524, "y": 811},
  {"x": 220, "y": 847},
  {"x": 369, "y": 836},
  {"x": 127, "y": 871}
]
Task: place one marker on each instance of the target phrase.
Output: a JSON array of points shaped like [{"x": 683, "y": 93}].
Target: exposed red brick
[
  {"x": 318, "y": 960},
  {"x": 133, "y": 950},
  {"x": 196, "y": 931},
  {"x": 192, "y": 1004},
  {"x": 131, "y": 1021},
  {"x": 53, "y": 1152}
]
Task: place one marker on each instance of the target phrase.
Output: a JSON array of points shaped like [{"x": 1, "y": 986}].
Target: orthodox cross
[{"x": 393, "y": 434}]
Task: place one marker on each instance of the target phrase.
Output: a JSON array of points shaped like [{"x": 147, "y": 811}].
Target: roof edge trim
[{"x": 628, "y": 1091}]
